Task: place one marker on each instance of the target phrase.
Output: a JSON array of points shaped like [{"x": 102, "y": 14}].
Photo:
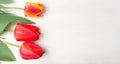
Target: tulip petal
[
  {"x": 29, "y": 50},
  {"x": 33, "y": 9},
  {"x": 25, "y": 32}
]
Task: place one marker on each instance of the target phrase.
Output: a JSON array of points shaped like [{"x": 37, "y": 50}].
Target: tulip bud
[
  {"x": 26, "y": 32},
  {"x": 30, "y": 50},
  {"x": 33, "y": 9}
]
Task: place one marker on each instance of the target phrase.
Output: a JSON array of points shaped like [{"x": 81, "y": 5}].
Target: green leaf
[
  {"x": 5, "y": 53},
  {"x": 7, "y": 18},
  {"x": 5, "y": 1}
]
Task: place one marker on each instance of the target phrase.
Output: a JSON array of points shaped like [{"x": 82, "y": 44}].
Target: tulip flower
[
  {"x": 30, "y": 50},
  {"x": 33, "y": 9},
  {"x": 26, "y": 32}
]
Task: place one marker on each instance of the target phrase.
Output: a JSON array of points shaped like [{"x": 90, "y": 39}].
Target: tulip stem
[
  {"x": 2, "y": 11},
  {"x": 2, "y": 38},
  {"x": 8, "y": 30},
  {"x": 14, "y": 8},
  {"x": 11, "y": 44}
]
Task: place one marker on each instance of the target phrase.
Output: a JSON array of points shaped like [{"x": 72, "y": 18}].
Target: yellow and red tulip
[{"x": 33, "y": 9}]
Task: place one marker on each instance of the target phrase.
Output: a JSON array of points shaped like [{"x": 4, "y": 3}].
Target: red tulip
[
  {"x": 26, "y": 32},
  {"x": 33, "y": 9},
  {"x": 30, "y": 50}
]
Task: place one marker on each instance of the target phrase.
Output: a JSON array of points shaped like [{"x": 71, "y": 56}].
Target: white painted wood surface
[{"x": 76, "y": 32}]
